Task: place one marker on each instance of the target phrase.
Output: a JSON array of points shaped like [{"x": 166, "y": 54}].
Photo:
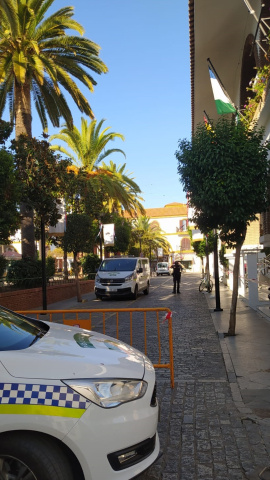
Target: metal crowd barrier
[{"x": 89, "y": 319}]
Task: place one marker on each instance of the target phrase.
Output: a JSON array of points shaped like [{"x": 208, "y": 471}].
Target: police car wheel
[{"x": 27, "y": 456}]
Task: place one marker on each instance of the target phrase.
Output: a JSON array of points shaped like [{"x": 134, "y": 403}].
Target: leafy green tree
[
  {"x": 223, "y": 260},
  {"x": 225, "y": 171},
  {"x": 89, "y": 264},
  {"x": 78, "y": 238},
  {"x": 38, "y": 60},
  {"x": 43, "y": 177},
  {"x": 10, "y": 189},
  {"x": 202, "y": 248},
  {"x": 122, "y": 235}
]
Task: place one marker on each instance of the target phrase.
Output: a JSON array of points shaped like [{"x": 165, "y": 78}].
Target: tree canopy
[
  {"x": 10, "y": 189},
  {"x": 38, "y": 57},
  {"x": 109, "y": 182},
  {"x": 224, "y": 169},
  {"x": 225, "y": 172}
]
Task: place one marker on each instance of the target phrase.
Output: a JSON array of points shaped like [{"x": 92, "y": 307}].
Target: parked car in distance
[
  {"x": 122, "y": 276},
  {"x": 74, "y": 404},
  {"x": 163, "y": 268}
]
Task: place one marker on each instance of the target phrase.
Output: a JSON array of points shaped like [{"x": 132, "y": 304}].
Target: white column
[
  {"x": 253, "y": 297},
  {"x": 241, "y": 280}
]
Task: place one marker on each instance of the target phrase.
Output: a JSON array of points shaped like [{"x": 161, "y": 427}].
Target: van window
[
  {"x": 162, "y": 265},
  {"x": 145, "y": 264},
  {"x": 118, "y": 265}
]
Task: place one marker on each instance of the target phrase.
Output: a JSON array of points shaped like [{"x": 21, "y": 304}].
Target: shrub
[
  {"x": 50, "y": 267},
  {"x": 27, "y": 273},
  {"x": 90, "y": 263}
]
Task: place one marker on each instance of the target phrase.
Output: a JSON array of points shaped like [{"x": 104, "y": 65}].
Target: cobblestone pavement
[{"x": 203, "y": 435}]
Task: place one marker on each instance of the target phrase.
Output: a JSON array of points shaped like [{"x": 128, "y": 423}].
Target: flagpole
[
  {"x": 206, "y": 116},
  {"x": 220, "y": 82}
]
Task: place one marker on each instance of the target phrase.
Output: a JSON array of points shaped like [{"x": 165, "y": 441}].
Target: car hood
[
  {"x": 72, "y": 352},
  {"x": 112, "y": 274}
]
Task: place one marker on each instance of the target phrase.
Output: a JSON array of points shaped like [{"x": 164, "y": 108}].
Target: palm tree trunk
[
  {"x": 23, "y": 122},
  {"x": 22, "y": 103}
]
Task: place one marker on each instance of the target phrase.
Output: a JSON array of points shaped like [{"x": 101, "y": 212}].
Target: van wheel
[
  {"x": 135, "y": 294},
  {"x": 34, "y": 458},
  {"x": 146, "y": 291}
]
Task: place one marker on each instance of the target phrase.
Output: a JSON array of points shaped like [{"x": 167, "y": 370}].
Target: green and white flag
[{"x": 223, "y": 103}]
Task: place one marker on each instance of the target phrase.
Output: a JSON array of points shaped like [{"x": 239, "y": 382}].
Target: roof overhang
[{"x": 218, "y": 30}]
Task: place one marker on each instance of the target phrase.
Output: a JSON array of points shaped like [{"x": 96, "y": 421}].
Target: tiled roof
[{"x": 170, "y": 210}]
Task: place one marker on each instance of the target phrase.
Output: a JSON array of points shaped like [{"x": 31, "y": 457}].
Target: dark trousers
[{"x": 176, "y": 283}]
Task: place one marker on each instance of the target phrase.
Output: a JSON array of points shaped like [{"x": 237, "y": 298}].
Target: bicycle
[{"x": 206, "y": 283}]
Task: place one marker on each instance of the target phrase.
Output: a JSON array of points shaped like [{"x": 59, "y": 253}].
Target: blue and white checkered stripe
[{"x": 35, "y": 394}]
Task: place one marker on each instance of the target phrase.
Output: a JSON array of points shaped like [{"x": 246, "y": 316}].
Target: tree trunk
[
  {"x": 79, "y": 297},
  {"x": 23, "y": 126},
  {"x": 65, "y": 266},
  {"x": 27, "y": 232},
  {"x": 232, "y": 323}
]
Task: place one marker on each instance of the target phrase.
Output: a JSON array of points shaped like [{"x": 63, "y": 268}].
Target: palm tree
[
  {"x": 87, "y": 148},
  {"x": 38, "y": 59},
  {"x": 149, "y": 236},
  {"x": 125, "y": 192}
]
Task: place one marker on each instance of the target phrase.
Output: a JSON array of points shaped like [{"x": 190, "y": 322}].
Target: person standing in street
[{"x": 177, "y": 270}]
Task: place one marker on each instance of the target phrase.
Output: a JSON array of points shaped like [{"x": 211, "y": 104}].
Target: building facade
[
  {"x": 173, "y": 221},
  {"x": 234, "y": 36}
]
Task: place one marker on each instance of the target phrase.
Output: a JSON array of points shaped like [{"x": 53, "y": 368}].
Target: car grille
[{"x": 112, "y": 281}]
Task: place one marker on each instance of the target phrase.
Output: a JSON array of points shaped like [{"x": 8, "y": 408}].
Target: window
[
  {"x": 183, "y": 225},
  {"x": 185, "y": 244}
]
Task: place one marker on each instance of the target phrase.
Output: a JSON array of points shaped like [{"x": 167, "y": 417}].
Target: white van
[
  {"x": 122, "y": 276},
  {"x": 163, "y": 268}
]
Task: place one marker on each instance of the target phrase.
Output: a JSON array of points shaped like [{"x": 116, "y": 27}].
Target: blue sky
[{"x": 146, "y": 93}]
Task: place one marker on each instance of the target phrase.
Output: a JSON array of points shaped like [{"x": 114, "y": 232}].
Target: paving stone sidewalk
[{"x": 204, "y": 436}]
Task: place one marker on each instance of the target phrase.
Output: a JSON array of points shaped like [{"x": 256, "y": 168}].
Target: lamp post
[
  {"x": 217, "y": 309},
  {"x": 150, "y": 258},
  {"x": 100, "y": 239},
  {"x": 43, "y": 264}
]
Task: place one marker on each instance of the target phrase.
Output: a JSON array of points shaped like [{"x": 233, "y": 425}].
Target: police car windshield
[
  {"x": 17, "y": 333},
  {"x": 118, "y": 265}
]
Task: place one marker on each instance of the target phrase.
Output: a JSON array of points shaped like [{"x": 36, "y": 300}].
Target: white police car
[{"x": 74, "y": 404}]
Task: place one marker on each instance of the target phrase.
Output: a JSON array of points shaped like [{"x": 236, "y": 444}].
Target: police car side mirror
[{"x": 140, "y": 270}]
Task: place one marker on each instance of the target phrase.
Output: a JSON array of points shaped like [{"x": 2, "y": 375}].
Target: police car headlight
[
  {"x": 98, "y": 278},
  {"x": 108, "y": 393}
]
